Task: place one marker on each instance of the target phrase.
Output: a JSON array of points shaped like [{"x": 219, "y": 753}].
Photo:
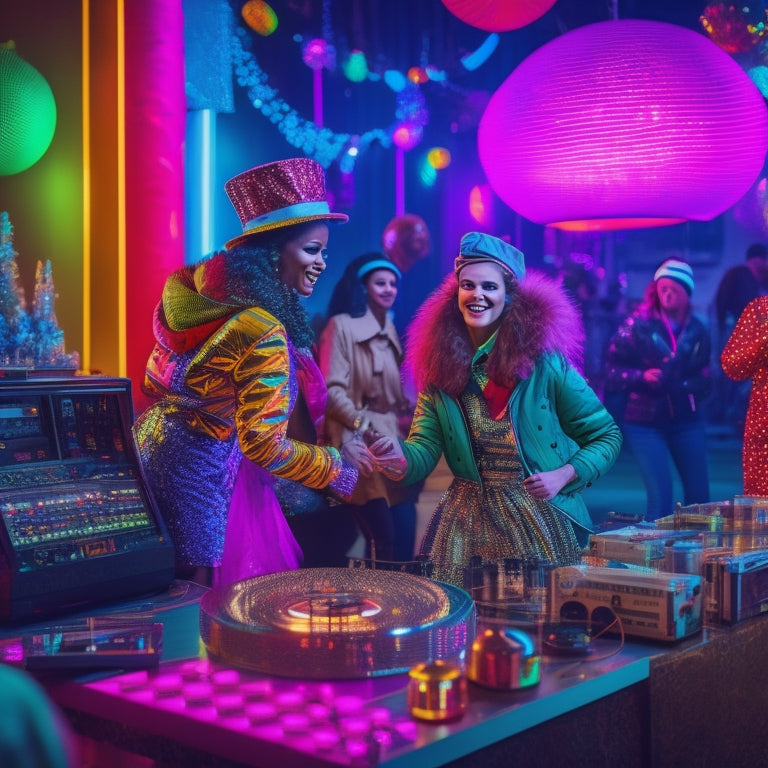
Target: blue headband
[{"x": 369, "y": 266}]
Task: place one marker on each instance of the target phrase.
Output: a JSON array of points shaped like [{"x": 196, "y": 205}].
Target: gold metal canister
[
  {"x": 437, "y": 691},
  {"x": 504, "y": 659}
]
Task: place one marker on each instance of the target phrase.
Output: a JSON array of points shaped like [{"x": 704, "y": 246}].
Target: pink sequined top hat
[{"x": 278, "y": 195}]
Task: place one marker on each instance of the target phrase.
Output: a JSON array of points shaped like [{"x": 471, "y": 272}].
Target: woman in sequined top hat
[
  {"x": 493, "y": 351},
  {"x": 238, "y": 395}
]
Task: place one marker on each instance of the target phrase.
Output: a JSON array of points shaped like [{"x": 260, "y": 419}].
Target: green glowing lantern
[{"x": 27, "y": 113}]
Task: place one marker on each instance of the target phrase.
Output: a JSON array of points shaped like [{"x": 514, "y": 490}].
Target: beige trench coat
[{"x": 361, "y": 365}]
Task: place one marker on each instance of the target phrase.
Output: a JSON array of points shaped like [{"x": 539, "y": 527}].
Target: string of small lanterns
[
  {"x": 315, "y": 140},
  {"x": 319, "y": 143}
]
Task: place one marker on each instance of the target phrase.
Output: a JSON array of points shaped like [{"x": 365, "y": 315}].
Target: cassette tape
[
  {"x": 635, "y": 546},
  {"x": 655, "y": 606},
  {"x": 735, "y": 586}
]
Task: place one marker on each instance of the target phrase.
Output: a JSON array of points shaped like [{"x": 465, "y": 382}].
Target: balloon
[{"x": 406, "y": 240}]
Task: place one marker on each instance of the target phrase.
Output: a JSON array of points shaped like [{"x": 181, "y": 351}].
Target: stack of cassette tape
[
  {"x": 735, "y": 563},
  {"x": 645, "y": 547},
  {"x": 725, "y": 543}
]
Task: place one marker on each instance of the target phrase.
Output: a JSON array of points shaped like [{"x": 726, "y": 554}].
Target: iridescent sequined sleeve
[{"x": 243, "y": 374}]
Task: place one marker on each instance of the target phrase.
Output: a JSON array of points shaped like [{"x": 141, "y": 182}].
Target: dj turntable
[{"x": 336, "y": 622}]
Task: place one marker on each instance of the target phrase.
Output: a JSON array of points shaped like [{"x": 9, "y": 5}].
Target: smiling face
[
  {"x": 482, "y": 299},
  {"x": 381, "y": 290},
  {"x": 302, "y": 258}
]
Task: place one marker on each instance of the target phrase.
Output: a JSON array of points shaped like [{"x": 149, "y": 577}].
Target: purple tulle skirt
[{"x": 258, "y": 539}]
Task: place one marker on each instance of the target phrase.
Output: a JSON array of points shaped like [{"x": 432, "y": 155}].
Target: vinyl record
[{"x": 336, "y": 622}]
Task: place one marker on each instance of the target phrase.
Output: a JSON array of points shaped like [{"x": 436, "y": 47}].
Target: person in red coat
[{"x": 745, "y": 356}]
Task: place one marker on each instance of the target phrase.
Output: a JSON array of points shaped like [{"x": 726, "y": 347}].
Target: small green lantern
[{"x": 27, "y": 112}]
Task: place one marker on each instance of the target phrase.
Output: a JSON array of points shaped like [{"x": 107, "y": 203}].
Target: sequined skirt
[
  {"x": 492, "y": 522},
  {"x": 497, "y": 517}
]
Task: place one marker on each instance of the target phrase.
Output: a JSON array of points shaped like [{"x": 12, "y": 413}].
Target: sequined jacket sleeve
[
  {"x": 746, "y": 351},
  {"x": 240, "y": 379}
]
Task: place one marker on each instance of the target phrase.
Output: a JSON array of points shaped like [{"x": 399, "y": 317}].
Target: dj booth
[
  {"x": 698, "y": 702},
  {"x": 157, "y": 672}
]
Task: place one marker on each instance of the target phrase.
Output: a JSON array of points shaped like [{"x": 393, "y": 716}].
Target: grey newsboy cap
[{"x": 477, "y": 246}]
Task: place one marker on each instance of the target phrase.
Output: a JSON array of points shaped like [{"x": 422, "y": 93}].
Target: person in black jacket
[
  {"x": 738, "y": 286},
  {"x": 657, "y": 375}
]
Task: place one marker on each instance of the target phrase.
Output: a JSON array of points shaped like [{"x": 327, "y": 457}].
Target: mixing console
[{"x": 75, "y": 515}]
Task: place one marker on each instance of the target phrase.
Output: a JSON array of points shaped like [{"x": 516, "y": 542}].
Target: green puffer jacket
[{"x": 557, "y": 419}]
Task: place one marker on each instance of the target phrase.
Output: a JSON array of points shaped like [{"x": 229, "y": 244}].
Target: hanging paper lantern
[
  {"x": 481, "y": 204},
  {"x": 356, "y": 67},
  {"x": 27, "y": 113},
  {"x": 418, "y": 75},
  {"x": 260, "y": 17},
  {"x": 759, "y": 76},
  {"x": 317, "y": 54},
  {"x": 434, "y": 74},
  {"x": 439, "y": 158},
  {"x": 407, "y": 135},
  {"x": 498, "y": 15},
  {"x": 624, "y": 124},
  {"x": 427, "y": 173},
  {"x": 395, "y": 80}
]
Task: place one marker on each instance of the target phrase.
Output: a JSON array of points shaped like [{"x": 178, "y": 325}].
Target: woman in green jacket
[{"x": 494, "y": 353}]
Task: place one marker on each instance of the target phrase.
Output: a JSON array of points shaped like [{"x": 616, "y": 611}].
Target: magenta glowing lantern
[
  {"x": 317, "y": 54},
  {"x": 407, "y": 135},
  {"x": 624, "y": 124},
  {"x": 498, "y": 15}
]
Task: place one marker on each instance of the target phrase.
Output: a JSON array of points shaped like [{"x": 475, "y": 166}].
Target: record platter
[{"x": 336, "y": 623}]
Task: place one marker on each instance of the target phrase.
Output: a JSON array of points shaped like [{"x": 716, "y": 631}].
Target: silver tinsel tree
[{"x": 32, "y": 341}]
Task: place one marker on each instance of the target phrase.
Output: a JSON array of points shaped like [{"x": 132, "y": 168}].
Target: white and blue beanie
[{"x": 676, "y": 270}]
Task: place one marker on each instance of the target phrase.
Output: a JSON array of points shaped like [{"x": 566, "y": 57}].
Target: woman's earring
[{"x": 274, "y": 260}]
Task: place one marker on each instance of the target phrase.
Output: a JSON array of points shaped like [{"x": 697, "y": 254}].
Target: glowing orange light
[
  {"x": 260, "y": 17},
  {"x": 417, "y": 75},
  {"x": 480, "y": 203},
  {"x": 439, "y": 158}
]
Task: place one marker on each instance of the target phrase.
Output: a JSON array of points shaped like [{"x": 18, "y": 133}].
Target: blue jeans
[{"x": 652, "y": 448}]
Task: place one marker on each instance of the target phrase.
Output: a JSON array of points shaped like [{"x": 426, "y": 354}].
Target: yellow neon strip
[
  {"x": 85, "y": 361},
  {"x": 121, "y": 254}
]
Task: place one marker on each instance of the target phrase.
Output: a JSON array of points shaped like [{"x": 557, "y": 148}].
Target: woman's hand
[
  {"x": 389, "y": 458},
  {"x": 546, "y": 485},
  {"x": 356, "y": 453}
]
